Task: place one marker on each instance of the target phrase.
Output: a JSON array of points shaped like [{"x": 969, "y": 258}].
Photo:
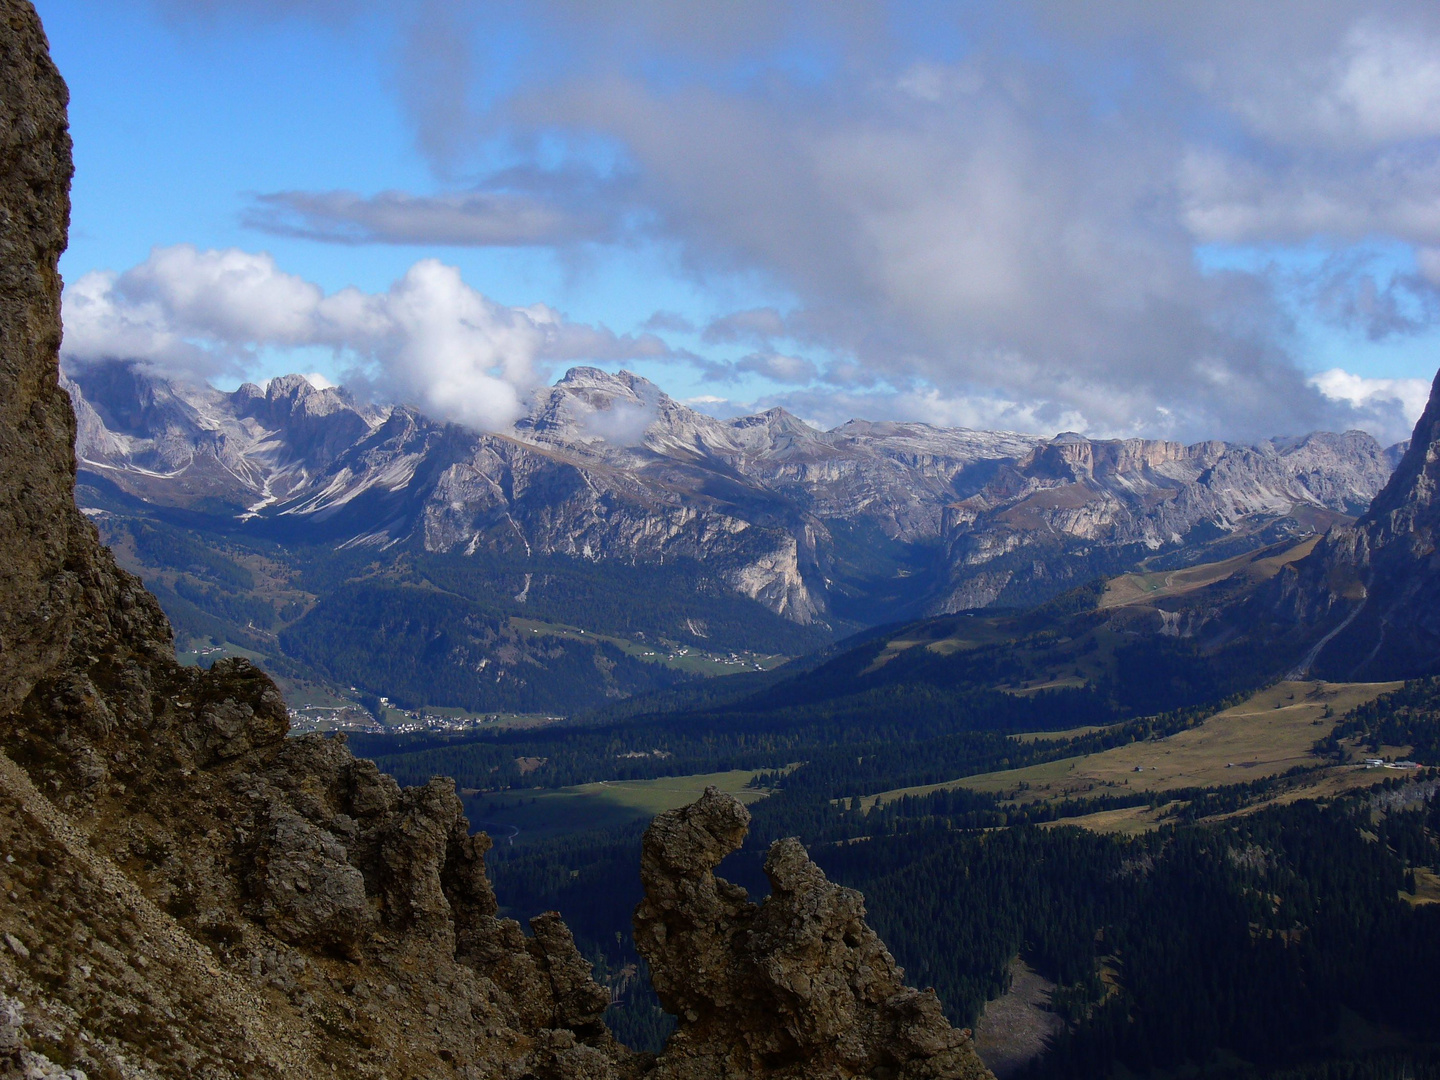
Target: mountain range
[
  {"x": 865, "y": 523},
  {"x": 1242, "y": 885}
]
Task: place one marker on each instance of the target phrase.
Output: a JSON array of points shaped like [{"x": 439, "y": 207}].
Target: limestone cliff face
[
  {"x": 189, "y": 893},
  {"x": 1056, "y": 514}
]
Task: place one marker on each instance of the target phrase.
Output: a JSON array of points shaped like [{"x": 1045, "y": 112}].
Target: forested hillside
[{"x": 1252, "y": 927}]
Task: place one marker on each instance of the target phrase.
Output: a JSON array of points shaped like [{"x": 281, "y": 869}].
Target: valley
[
  {"x": 469, "y": 722},
  {"x": 520, "y": 817},
  {"x": 568, "y": 571},
  {"x": 1204, "y": 796},
  {"x": 993, "y": 693},
  {"x": 1271, "y": 734}
]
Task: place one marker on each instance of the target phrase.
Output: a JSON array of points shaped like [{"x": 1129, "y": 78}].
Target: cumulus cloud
[
  {"x": 623, "y": 423},
  {"x": 1392, "y": 405},
  {"x": 779, "y": 368},
  {"x": 756, "y": 325},
  {"x": 983, "y": 229},
  {"x": 430, "y": 339},
  {"x": 1375, "y": 81}
]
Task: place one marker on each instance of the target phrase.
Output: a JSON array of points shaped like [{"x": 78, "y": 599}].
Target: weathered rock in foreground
[
  {"x": 798, "y": 986},
  {"x": 186, "y": 892}
]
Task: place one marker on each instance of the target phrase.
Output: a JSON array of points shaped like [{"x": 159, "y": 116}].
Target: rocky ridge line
[
  {"x": 1372, "y": 589},
  {"x": 608, "y": 466}
]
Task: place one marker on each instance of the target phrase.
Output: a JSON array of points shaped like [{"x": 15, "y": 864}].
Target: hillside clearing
[
  {"x": 1269, "y": 734},
  {"x": 1256, "y": 565},
  {"x": 539, "y": 814}
]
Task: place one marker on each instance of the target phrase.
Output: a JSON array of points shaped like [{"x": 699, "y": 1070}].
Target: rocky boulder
[{"x": 797, "y": 986}]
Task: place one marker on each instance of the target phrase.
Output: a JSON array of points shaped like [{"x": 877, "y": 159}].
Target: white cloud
[
  {"x": 1377, "y": 83},
  {"x": 1230, "y": 199},
  {"x": 101, "y": 325},
  {"x": 1393, "y": 405},
  {"x": 1391, "y": 84},
  {"x": 1006, "y": 228},
  {"x": 430, "y": 339},
  {"x": 622, "y": 423}
]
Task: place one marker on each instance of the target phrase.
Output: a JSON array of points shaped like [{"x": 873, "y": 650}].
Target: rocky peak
[
  {"x": 285, "y": 397},
  {"x": 775, "y": 433},
  {"x": 588, "y": 405},
  {"x": 612, "y": 383},
  {"x": 131, "y": 400},
  {"x": 598, "y": 390},
  {"x": 1368, "y": 596},
  {"x": 798, "y": 985},
  {"x": 1407, "y": 506}
]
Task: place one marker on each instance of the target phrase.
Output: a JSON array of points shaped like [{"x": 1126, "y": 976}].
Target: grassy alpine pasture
[
  {"x": 521, "y": 816},
  {"x": 1269, "y": 734},
  {"x": 1257, "y": 566}
]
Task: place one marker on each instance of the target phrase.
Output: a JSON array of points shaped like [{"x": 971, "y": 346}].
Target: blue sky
[{"x": 1106, "y": 217}]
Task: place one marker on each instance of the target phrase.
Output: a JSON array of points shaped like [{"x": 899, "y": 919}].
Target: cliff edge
[
  {"x": 1373, "y": 588},
  {"x": 187, "y": 892}
]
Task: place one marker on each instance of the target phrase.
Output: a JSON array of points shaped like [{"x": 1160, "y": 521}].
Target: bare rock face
[
  {"x": 1372, "y": 589},
  {"x": 607, "y": 466},
  {"x": 798, "y": 986},
  {"x": 308, "y": 891}
]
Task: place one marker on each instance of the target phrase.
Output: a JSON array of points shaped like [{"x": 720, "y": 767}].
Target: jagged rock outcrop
[{"x": 797, "y": 986}]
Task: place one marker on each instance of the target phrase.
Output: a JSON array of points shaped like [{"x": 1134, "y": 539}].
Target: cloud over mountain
[{"x": 430, "y": 338}]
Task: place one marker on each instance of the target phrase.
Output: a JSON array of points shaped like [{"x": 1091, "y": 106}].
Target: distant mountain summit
[{"x": 865, "y": 523}]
